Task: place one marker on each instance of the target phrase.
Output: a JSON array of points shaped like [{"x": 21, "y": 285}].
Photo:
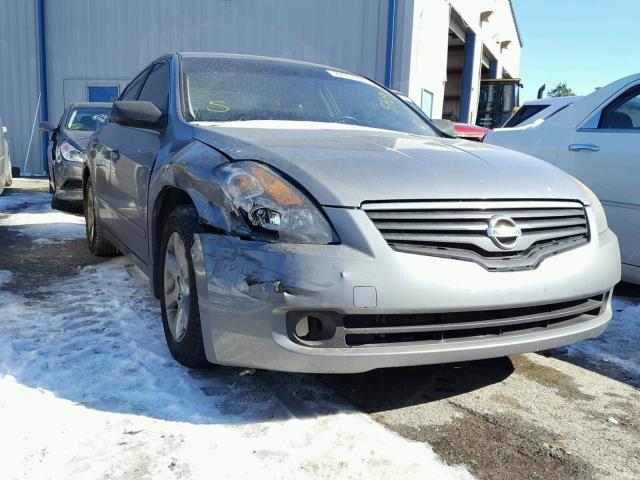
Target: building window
[
  {"x": 103, "y": 93},
  {"x": 426, "y": 103}
]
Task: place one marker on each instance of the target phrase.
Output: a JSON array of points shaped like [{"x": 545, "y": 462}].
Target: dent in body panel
[
  {"x": 190, "y": 169},
  {"x": 239, "y": 281},
  {"x": 238, "y": 270}
]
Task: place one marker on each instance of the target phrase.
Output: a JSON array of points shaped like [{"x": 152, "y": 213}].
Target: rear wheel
[
  {"x": 179, "y": 296},
  {"x": 97, "y": 243}
]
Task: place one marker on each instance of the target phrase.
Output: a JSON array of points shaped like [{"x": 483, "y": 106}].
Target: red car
[
  {"x": 466, "y": 131},
  {"x": 470, "y": 132}
]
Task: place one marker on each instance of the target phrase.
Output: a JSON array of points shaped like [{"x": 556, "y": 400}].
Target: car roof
[
  {"x": 232, "y": 56},
  {"x": 552, "y": 100},
  {"x": 91, "y": 105},
  {"x": 580, "y": 110}
]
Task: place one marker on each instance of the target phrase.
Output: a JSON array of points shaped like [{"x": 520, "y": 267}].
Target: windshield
[
  {"x": 525, "y": 113},
  {"x": 226, "y": 90},
  {"x": 88, "y": 119}
]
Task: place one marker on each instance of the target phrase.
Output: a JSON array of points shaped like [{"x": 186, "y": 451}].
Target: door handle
[
  {"x": 114, "y": 155},
  {"x": 576, "y": 147}
]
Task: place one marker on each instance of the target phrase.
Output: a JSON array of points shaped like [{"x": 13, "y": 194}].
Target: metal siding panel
[
  {"x": 19, "y": 81},
  {"x": 125, "y": 35},
  {"x": 75, "y": 89}
]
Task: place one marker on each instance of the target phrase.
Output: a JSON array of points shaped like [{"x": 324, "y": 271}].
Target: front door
[
  {"x": 606, "y": 157},
  {"x": 131, "y": 160}
]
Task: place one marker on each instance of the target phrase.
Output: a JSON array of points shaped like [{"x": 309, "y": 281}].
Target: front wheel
[{"x": 179, "y": 296}]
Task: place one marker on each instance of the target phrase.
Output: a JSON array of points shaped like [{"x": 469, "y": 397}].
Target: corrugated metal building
[{"x": 54, "y": 52}]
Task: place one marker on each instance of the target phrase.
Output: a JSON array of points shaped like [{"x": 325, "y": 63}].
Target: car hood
[
  {"x": 345, "y": 165},
  {"x": 79, "y": 137}
]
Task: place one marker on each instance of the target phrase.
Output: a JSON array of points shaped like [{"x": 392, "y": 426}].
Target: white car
[
  {"x": 597, "y": 140},
  {"x": 541, "y": 108},
  {"x": 5, "y": 159}
]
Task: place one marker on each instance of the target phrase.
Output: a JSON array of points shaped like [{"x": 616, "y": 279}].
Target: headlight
[
  {"x": 70, "y": 153},
  {"x": 596, "y": 206},
  {"x": 270, "y": 206}
]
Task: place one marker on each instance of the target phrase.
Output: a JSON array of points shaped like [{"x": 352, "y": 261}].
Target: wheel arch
[{"x": 168, "y": 199}]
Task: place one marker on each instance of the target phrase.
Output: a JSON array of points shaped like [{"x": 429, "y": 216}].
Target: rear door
[
  {"x": 605, "y": 154},
  {"x": 132, "y": 159}
]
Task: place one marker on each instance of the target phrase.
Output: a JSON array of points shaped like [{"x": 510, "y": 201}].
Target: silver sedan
[{"x": 298, "y": 217}]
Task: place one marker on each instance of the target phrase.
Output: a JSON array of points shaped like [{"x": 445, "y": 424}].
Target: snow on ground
[
  {"x": 88, "y": 390},
  {"x": 37, "y": 220},
  {"x": 619, "y": 343},
  {"x": 5, "y": 277}
]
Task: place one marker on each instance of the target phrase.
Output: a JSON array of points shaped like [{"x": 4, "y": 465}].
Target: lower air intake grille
[
  {"x": 460, "y": 229},
  {"x": 360, "y": 330}
]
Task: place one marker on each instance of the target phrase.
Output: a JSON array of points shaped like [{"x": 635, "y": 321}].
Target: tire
[
  {"x": 57, "y": 204},
  {"x": 51, "y": 183},
  {"x": 98, "y": 245},
  {"x": 178, "y": 295}
]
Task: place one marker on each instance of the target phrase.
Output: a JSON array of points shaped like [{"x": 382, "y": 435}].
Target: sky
[{"x": 586, "y": 43}]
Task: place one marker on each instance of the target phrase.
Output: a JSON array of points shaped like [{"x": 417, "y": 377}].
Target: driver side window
[
  {"x": 156, "y": 87},
  {"x": 623, "y": 113},
  {"x": 131, "y": 91}
]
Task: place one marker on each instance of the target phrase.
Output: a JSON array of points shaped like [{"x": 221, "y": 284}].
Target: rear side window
[
  {"x": 131, "y": 92},
  {"x": 623, "y": 113},
  {"x": 156, "y": 87},
  {"x": 525, "y": 113}
]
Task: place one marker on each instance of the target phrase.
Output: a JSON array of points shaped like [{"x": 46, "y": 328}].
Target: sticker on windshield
[
  {"x": 387, "y": 102},
  {"x": 217, "y": 106}
]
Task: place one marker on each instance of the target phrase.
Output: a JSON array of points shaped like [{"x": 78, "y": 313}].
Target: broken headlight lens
[{"x": 270, "y": 206}]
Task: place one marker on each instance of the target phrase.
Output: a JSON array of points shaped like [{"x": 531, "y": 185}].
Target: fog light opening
[{"x": 313, "y": 328}]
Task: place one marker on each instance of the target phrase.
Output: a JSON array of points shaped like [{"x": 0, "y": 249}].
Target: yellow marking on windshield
[
  {"x": 217, "y": 106},
  {"x": 76, "y": 126},
  {"x": 386, "y": 102}
]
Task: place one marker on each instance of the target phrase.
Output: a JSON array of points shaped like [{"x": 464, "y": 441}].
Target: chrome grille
[{"x": 458, "y": 229}]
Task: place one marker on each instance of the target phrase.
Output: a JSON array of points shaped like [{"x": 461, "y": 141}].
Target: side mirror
[
  {"x": 48, "y": 126},
  {"x": 139, "y": 114},
  {"x": 4, "y": 129},
  {"x": 445, "y": 126}
]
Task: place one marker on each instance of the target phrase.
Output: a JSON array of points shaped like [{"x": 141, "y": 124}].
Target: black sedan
[{"x": 66, "y": 153}]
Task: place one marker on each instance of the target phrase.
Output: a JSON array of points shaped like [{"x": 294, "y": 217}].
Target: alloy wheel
[{"x": 176, "y": 287}]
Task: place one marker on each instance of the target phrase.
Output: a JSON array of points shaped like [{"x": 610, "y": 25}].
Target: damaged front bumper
[
  {"x": 380, "y": 308},
  {"x": 68, "y": 178}
]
